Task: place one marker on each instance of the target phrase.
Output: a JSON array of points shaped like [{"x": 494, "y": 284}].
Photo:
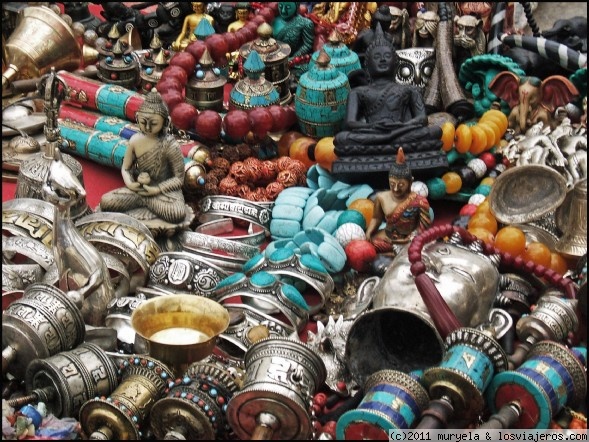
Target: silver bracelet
[
  {"x": 269, "y": 299},
  {"x": 19, "y": 276},
  {"x": 233, "y": 207},
  {"x": 184, "y": 272},
  {"x": 305, "y": 268},
  {"x": 28, "y": 247},
  {"x": 220, "y": 225},
  {"x": 200, "y": 241}
]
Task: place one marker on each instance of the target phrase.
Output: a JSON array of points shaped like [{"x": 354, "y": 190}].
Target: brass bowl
[
  {"x": 179, "y": 329},
  {"x": 526, "y": 193}
]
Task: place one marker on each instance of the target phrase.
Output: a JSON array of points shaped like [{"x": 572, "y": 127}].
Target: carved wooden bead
[{"x": 417, "y": 268}]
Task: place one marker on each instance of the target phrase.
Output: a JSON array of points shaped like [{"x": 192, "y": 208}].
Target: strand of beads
[{"x": 466, "y": 170}]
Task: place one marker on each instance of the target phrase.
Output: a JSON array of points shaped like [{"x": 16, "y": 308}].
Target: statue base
[{"x": 374, "y": 169}]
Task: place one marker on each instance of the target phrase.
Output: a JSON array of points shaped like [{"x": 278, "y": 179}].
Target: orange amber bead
[{"x": 453, "y": 182}]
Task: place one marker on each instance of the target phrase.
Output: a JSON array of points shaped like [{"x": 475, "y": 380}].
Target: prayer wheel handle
[{"x": 443, "y": 317}]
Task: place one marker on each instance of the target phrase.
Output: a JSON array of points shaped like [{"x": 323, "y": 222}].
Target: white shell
[{"x": 478, "y": 166}]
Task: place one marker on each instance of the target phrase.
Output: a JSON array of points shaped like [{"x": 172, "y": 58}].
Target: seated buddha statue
[
  {"x": 191, "y": 21},
  {"x": 381, "y": 114}
]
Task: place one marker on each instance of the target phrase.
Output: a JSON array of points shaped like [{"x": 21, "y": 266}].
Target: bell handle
[
  {"x": 8, "y": 355},
  {"x": 8, "y": 75},
  {"x": 437, "y": 415},
  {"x": 507, "y": 417}
]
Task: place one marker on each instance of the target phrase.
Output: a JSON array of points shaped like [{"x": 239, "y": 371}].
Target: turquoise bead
[
  {"x": 483, "y": 189},
  {"x": 352, "y": 216},
  {"x": 436, "y": 188}
]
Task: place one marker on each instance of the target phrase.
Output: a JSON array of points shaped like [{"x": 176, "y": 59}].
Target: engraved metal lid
[{"x": 526, "y": 193}]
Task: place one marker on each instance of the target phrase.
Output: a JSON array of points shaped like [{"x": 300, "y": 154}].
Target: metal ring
[
  {"x": 285, "y": 262},
  {"x": 184, "y": 272},
  {"x": 271, "y": 298},
  {"x": 239, "y": 208},
  {"x": 29, "y": 247},
  {"x": 200, "y": 241},
  {"x": 19, "y": 276},
  {"x": 220, "y": 225}
]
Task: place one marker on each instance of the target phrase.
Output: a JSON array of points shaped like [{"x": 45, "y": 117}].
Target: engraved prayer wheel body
[
  {"x": 321, "y": 98},
  {"x": 42, "y": 323},
  {"x": 552, "y": 377},
  {"x": 206, "y": 88},
  {"x": 119, "y": 67},
  {"x": 195, "y": 405},
  {"x": 120, "y": 415},
  {"x": 76, "y": 376},
  {"x": 472, "y": 358},
  {"x": 392, "y": 400},
  {"x": 274, "y": 54},
  {"x": 281, "y": 377}
]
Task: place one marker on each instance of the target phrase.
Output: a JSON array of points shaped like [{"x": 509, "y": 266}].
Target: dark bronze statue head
[{"x": 380, "y": 55}]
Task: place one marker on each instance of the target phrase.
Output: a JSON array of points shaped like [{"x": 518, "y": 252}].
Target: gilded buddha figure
[{"x": 191, "y": 21}]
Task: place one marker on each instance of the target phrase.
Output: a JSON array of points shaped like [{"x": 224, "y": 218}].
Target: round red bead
[
  {"x": 183, "y": 116},
  {"x": 261, "y": 121},
  {"x": 113, "y": 76},
  {"x": 208, "y": 125},
  {"x": 217, "y": 46},
  {"x": 278, "y": 117},
  {"x": 196, "y": 49},
  {"x": 184, "y": 60},
  {"x": 236, "y": 124},
  {"x": 417, "y": 268},
  {"x": 489, "y": 160},
  {"x": 177, "y": 72},
  {"x": 468, "y": 210},
  {"x": 172, "y": 97}
]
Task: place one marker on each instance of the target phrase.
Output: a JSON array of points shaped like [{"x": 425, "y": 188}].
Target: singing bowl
[{"x": 179, "y": 329}]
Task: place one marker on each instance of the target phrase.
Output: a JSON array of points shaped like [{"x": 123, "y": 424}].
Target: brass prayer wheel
[
  {"x": 281, "y": 377},
  {"x": 274, "y": 54},
  {"x": 120, "y": 415},
  {"x": 74, "y": 376},
  {"x": 196, "y": 404},
  {"x": 42, "y": 323},
  {"x": 206, "y": 89}
]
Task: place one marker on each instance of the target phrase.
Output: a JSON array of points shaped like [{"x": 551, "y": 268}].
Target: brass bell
[{"x": 40, "y": 41}]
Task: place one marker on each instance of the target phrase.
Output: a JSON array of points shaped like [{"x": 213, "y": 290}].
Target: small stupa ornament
[
  {"x": 118, "y": 66},
  {"x": 254, "y": 90},
  {"x": 321, "y": 98},
  {"x": 153, "y": 62},
  {"x": 274, "y": 54},
  {"x": 342, "y": 57},
  {"x": 205, "y": 90}
]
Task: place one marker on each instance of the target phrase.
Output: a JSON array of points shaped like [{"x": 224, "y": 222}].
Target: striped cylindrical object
[
  {"x": 552, "y": 377},
  {"x": 496, "y": 30},
  {"x": 109, "y": 99},
  {"x": 561, "y": 54},
  {"x": 105, "y": 123},
  {"x": 393, "y": 400}
]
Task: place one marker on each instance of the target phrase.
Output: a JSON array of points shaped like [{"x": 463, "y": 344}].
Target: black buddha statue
[
  {"x": 381, "y": 17},
  {"x": 383, "y": 115}
]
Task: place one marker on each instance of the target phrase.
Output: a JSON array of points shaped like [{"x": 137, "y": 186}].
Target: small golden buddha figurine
[
  {"x": 242, "y": 14},
  {"x": 191, "y": 21}
]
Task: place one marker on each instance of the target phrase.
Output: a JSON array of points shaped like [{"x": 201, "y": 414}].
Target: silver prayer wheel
[
  {"x": 42, "y": 323},
  {"x": 206, "y": 89},
  {"x": 282, "y": 375},
  {"x": 274, "y": 54},
  {"x": 71, "y": 378},
  {"x": 120, "y": 416},
  {"x": 195, "y": 406},
  {"x": 552, "y": 319}
]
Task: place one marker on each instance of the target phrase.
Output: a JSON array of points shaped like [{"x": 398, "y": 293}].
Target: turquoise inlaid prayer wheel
[
  {"x": 321, "y": 98},
  {"x": 552, "y": 377},
  {"x": 393, "y": 400},
  {"x": 342, "y": 57},
  {"x": 254, "y": 90},
  {"x": 472, "y": 358}
]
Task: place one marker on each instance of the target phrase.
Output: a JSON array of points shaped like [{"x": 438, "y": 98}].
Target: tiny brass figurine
[
  {"x": 191, "y": 21},
  {"x": 153, "y": 172},
  {"x": 242, "y": 14}
]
